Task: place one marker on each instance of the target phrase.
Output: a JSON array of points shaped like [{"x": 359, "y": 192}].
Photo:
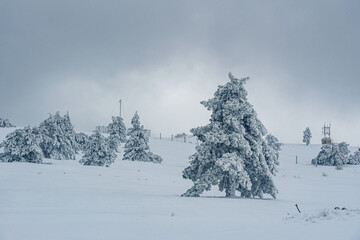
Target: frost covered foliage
[
  {"x": 114, "y": 142},
  {"x": 117, "y": 127},
  {"x": 5, "y": 123},
  {"x": 332, "y": 155},
  {"x": 307, "y": 136},
  {"x": 81, "y": 140},
  {"x": 117, "y": 132},
  {"x": 58, "y": 137},
  {"x": 22, "y": 145},
  {"x": 137, "y": 146},
  {"x": 97, "y": 152},
  {"x": 233, "y": 153},
  {"x": 354, "y": 159},
  {"x": 271, "y": 150}
]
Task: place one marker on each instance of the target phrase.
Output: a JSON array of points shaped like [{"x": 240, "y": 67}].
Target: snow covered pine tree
[
  {"x": 332, "y": 155},
  {"x": 58, "y": 137},
  {"x": 117, "y": 132},
  {"x": 233, "y": 153},
  {"x": 22, "y": 145},
  {"x": 307, "y": 136},
  {"x": 137, "y": 146},
  {"x": 97, "y": 152}
]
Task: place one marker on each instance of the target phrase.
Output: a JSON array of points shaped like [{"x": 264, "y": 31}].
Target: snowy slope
[{"x": 136, "y": 200}]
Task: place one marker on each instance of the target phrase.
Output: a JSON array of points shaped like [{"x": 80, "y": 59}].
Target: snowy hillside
[{"x": 137, "y": 200}]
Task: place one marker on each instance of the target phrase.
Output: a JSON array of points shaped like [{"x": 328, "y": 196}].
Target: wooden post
[
  {"x": 160, "y": 136},
  {"x": 172, "y": 137},
  {"x": 184, "y": 138},
  {"x": 297, "y": 208},
  {"x": 296, "y": 159}
]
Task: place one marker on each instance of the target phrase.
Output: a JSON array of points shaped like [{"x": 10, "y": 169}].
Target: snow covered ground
[{"x": 136, "y": 200}]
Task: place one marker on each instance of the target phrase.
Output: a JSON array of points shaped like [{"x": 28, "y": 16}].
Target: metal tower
[{"x": 326, "y": 134}]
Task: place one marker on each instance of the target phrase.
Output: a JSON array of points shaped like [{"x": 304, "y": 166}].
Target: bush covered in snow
[
  {"x": 233, "y": 152},
  {"x": 58, "y": 137},
  {"x": 137, "y": 146},
  {"x": 307, "y": 136},
  {"x": 180, "y": 135},
  {"x": 97, "y": 151},
  {"x": 332, "y": 155},
  {"x": 22, "y": 145},
  {"x": 354, "y": 159},
  {"x": 5, "y": 123}
]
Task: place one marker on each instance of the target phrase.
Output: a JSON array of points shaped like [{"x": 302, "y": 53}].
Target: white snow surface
[{"x": 139, "y": 200}]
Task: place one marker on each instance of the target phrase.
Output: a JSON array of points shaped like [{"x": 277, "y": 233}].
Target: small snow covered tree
[
  {"x": 307, "y": 136},
  {"x": 97, "y": 152},
  {"x": 5, "y": 123},
  {"x": 325, "y": 156},
  {"x": 343, "y": 152},
  {"x": 22, "y": 145},
  {"x": 117, "y": 132},
  {"x": 233, "y": 153},
  {"x": 117, "y": 127},
  {"x": 81, "y": 140},
  {"x": 354, "y": 159},
  {"x": 58, "y": 137},
  {"x": 137, "y": 146},
  {"x": 332, "y": 155}
]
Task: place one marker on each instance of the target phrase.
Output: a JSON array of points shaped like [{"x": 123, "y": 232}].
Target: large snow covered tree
[
  {"x": 97, "y": 151},
  {"x": 332, "y": 155},
  {"x": 137, "y": 146},
  {"x": 117, "y": 132},
  {"x": 22, "y": 145},
  {"x": 233, "y": 152},
  {"x": 5, "y": 123},
  {"x": 307, "y": 136},
  {"x": 58, "y": 137}
]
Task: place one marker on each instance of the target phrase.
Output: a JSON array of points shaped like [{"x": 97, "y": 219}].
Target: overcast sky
[{"x": 163, "y": 57}]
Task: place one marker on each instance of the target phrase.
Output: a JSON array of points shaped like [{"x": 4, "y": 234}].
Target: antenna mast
[{"x": 326, "y": 134}]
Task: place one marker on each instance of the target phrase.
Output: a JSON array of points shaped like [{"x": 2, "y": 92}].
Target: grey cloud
[{"x": 302, "y": 57}]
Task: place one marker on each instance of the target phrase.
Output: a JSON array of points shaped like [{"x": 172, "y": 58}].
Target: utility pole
[{"x": 120, "y": 107}]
